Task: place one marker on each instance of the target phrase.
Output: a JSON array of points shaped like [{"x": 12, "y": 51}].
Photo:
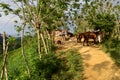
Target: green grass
[
  {"x": 71, "y": 63},
  {"x": 16, "y": 64},
  {"x": 51, "y": 66},
  {"x": 112, "y": 47}
]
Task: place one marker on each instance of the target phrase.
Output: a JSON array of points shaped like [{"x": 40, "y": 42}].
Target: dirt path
[{"x": 97, "y": 64}]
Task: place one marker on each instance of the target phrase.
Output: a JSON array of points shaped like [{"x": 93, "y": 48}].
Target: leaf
[
  {"x": 17, "y": 11},
  {"x": 16, "y": 21},
  {"x": 0, "y": 15},
  {"x": 18, "y": 0},
  {"x": 18, "y": 28},
  {"x": 5, "y": 6},
  {"x": 6, "y": 12}
]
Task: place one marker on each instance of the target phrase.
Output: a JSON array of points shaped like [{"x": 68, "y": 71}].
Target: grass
[
  {"x": 72, "y": 66},
  {"x": 113, "y": 48},
  {"x": 66, "y": 66},
  {"x": 16, "y": 64}
]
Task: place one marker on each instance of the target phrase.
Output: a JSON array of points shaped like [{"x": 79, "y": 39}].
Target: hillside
[{"x": 97, "y": 64}]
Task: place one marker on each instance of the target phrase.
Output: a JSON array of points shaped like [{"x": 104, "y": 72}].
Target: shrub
[
  {"x": 113, "y": 47},
  {"x": 71, "y": 66},
  {"x": 46, "y": 67}
]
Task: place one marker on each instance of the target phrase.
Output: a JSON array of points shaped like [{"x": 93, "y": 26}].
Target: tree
[
  {"x": 38, "y": 13},
  {"x": 99, "y": 14},
  {"x": 4, "y": 67},
  {"x": 41, "y": 15},
  {"x": 117, "y": 17}
]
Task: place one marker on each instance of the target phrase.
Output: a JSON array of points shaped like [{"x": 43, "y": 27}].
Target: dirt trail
[{"x": 97, "y": 64}]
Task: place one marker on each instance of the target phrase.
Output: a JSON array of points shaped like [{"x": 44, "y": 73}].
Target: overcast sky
[{"x": 7, "y": 22}]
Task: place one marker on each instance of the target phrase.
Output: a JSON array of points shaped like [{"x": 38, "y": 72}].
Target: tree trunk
[
  {"x": 48, "y": 41},
  {"x": 45, "y": 47},
  {"x": 4, "y": 68},
  {"x": 23, "y": 54},
  {"x": 53, "y": 36},
  {"x": 6, "y": 71},
  {"x": 39, "y": 46}
]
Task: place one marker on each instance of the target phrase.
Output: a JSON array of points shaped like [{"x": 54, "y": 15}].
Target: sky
[{"x": 7, "y": 22}]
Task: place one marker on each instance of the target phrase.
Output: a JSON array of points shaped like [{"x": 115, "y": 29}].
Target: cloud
[{"x": 7, "y": 24}]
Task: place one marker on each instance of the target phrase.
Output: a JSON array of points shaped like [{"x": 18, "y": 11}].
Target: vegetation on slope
[
  {"x": 50, "y": 67},
  {"x": 112, "y": 47}
]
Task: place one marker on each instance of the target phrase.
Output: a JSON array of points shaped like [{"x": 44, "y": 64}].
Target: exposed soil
[{"x": 97, "y": 64}]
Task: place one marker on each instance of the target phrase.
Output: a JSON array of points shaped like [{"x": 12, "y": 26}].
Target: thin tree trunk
[
  {"x": 2, "y": 72},
  {"x": 23, "y": 54},
  {"x": 48, "y": 34},
  {"x": 118, "y": 30},
  {"x": 48, "y": 41},
  {"x": 53, "y": 36},
  {"x": 39, "y": 47},
  {"x": 22, "y": 41},
  {"x": 6, "y": 71},
  {"x": 4, "y": 68},
  {"x": 45, "y": 47}
]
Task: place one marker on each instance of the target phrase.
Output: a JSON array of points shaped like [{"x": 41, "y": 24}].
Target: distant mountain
[{"x": 1, "y": 39}]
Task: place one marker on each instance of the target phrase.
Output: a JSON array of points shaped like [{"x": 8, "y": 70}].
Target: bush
[
  {"x": 46, "y": 67},
  {"x": 71, "y": 66},
  {"x": 66, "y": 66},
  {"x": 113, "y": 47}
]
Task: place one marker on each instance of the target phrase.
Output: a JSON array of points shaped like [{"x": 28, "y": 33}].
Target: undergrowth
[
  {"x": 71, "y": 66},
  {"x": 50, "y": 67},
  {"x": 112, "y": 47}
]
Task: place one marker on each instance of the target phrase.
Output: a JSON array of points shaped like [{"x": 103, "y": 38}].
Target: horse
[
  {"x": 79, "y": 37},
  {"x": 99, "y": 35},
  {"x": 87, "y": 36}
]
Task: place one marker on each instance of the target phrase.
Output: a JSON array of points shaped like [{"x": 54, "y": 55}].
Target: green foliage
[
  {"x": 71, "y": 66},
  {"x": 50, "y": 67},
  {"x": 47, "y": 13},
  {"x": 82, "y": 25},
  {"x": 0, "y": 15},
  {"x": 49, "y": 64},
  {"x": 16, "y": 65},
  {"x": 113, "y": 48},
  {"x": 17, "y": 11},
  {"x": 99, "y": 14},
  {"x": 15, "y": 21},
  {"x": 104, "y": 21},
  {"x": 5, "y": 6},
  {"x": 6, "y": 12},
  {"x": 73, "y": 61},
  {"x": 14, "y": 43},
  {"x": 18, "y": 28},
  {"x": 46, "y": 67}
]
